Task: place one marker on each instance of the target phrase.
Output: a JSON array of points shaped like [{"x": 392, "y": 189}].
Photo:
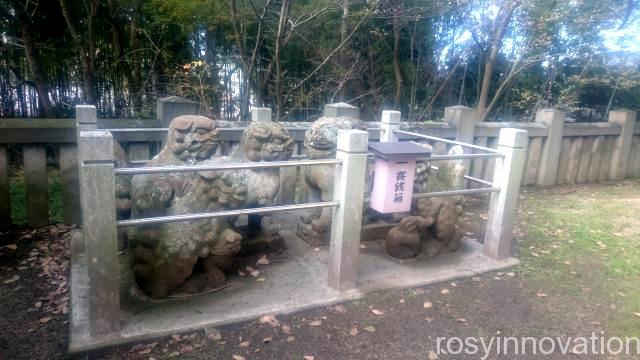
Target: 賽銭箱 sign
[{"x": 395, "y": 165}]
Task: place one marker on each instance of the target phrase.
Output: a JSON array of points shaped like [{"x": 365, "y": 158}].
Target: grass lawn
[{"x": 583, "y": 245}]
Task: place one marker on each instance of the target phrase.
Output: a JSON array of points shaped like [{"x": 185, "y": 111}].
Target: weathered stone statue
[
  {"x": 262, "y": 141},
  {"x": 190, "y": 140},
  {"x": 320, "y": 143},
  {"x": 169, "y": 265},
  {"x": 434, "y": 224},
  {"x": 165, "y": 257}
]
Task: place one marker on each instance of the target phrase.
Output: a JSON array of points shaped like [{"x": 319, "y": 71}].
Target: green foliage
[{"x": 555, "y": 50}]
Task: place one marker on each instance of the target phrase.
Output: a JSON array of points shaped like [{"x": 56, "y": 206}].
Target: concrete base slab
[{"x": 293, "y": 282}]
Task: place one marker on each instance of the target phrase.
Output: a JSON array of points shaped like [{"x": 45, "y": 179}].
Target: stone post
[
  {"x": 390, "y": 122},
  {"x": 37, "y": 186},
  {"x": 348, "y": 191},
  {"x": 5, "y": 199},
  {"x": 622, "y": 146},
  {"x": 86, "y": 120},
  {"x": 70, "y": 184},
  {"x": 171, "y": 107},
  {"x": 507, "y": 175},
  {"x": 550, "y": 158},
  {"x": 97, "y": 183},
  {"x": 260, "y": 114},
  {"x": 341, "y": 109},
  {"x": 464, "y": 119}
]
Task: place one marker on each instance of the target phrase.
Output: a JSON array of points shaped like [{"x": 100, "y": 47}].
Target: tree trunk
[
  {"x": 34, "y": 61},
  {"x": 396, "y": 53},
  {"x": 282, "y": 24},
  {"x": 496, "y": 44},
  {"x": 36, "y": 69}
]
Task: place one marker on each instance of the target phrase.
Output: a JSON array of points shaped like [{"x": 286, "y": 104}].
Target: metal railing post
[
  {"x": 348, "y": 191},
  {"x": 503, "y": 204},
  {"x": 97, "y": 184}
]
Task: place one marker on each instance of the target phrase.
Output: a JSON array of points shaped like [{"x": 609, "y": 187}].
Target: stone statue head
[
  {"x": 193, "y": 138},
  {"x": 266, "y": 141},
  {"x": 320, "y": 140}
]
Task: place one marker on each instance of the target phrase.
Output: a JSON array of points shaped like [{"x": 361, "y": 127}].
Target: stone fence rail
[{"x": 558, "y": 152}]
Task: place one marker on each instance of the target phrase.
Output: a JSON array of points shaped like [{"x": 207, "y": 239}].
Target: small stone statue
[
  {"x": 435, "y": 222},
  {"x": 320, "y": 143}
]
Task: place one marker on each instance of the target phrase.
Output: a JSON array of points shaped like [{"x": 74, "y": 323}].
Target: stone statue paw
[{"x": 403, "y": 241}]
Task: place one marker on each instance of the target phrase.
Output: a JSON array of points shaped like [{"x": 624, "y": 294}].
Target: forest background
[{"x": 505, "y": 58}]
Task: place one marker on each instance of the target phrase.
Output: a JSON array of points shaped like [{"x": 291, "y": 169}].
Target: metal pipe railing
[
  {"x": 452, "y": 142},
  {"x": 219, "y": 214},
  {"x": 142, "y": 130},
  {"x": 230, "y": 166},
  {"x": 455, "y": 192}
]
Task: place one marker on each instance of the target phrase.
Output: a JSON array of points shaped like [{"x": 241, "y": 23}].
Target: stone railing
[
  {"x": 558, "y": 152},
  {"x": 97, "y": 316}
]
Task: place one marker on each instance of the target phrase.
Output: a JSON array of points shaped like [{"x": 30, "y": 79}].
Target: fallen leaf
[
  {"x": 354, "y": 331},
  {"x": 461, "y": 320},
  {"x": 541, "y": 294},
  {"x": 12, "y": 246},
  {"x": 250, "y": 269},
  {"x": 255, "y": 273},
  {"x": 432, "y": 356},
  {"x": 270, "y": 319},
  {"x": 45, "y": 319},
  {"x": 427, "y": 305},
  {"x": 315, "y": 323},
  {"x": 241, "y": 273},
  {"x": 511, "y": 274},
  {"x": 376, "y": 311},
  {"x": 308, "y": 357},
  {"x": 263, "y": 260},
  {"x": 238, "y": 357},
  {"x": 402, "y": 301},
  {"x": 176, "y": 338},
  {"x": 369, "y": 328},
  {"x": 145, "y": 351},
  {"x": 444, "y": 291},
  {"x": 267, "y": 339},
  {"x": 290, "y": 338},
  {"x": 286, "y": 329},
  {"x": 13, "y": 279},
  {"x": 260, "y": 279},
  {"x": 244, "y": 344}
]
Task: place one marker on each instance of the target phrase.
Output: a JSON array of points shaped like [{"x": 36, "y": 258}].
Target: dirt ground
[{"x": 398, "y": 324}]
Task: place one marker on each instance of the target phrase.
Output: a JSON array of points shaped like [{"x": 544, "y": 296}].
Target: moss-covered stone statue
[
  {"x": 261, "y": 141},
  {"x": 320, "y": 143},
  {"x": 434, "y": 223},
  {"x": 190, "y": 140},
  {"x": 191, "y": 256}
]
